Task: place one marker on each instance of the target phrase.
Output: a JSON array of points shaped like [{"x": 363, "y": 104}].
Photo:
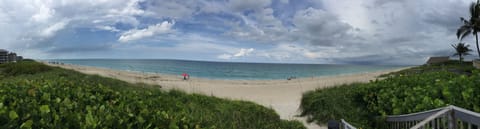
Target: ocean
[{"x": 227, "y": 70}]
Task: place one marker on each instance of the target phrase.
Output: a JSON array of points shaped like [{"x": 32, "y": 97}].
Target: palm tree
[
  {"x": 461, "y": 50},
  {"x": 471, "y": 26}
]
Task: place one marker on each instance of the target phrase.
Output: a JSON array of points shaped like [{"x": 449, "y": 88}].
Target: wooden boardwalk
[{"x": 449, "y": 117}]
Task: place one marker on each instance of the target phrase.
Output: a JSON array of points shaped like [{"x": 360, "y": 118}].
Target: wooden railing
[
  {"x": 450, "y": 117},
  {"x": 345, "y": 125}
]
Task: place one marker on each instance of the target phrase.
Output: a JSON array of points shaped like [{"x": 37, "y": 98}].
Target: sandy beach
[{"x": 281, "y": 95}]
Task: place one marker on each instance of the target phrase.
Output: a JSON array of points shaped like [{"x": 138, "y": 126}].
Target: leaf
[
  {"x": 13, "y": 115},
  {"x": 58, "y": 100},
  {"x": 44, "y": 109},
  {"x": 173, "y": 125},
  {"x": 396, "y": 111},
  {"x": 27, "y": 124},
  {"x": 439, "y": 103},
  {"x": 46, "y": 96},
  {"x": 140, "y": 119},
  {"x": 463, "y": 31},
  {"x": 89, "y": 119},
  {"x": 31, "y": 92}
]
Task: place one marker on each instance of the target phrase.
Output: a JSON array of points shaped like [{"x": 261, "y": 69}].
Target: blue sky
[{"x": 281, "y": 31}]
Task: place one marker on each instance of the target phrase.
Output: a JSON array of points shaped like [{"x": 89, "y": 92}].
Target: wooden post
[
  {"x": 433, "y": 122},
  {"x": 452, "y": 121},
  {"x": 397, "y": 125}
]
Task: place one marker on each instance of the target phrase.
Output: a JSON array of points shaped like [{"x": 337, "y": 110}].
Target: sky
[{"x": 275, "y": 31}]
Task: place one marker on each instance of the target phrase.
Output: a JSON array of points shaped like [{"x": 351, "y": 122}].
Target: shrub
[
  {"x": 23, "y": 67},
  {"x": 60, "y": 98},
  {"x": 413, "y": 90}
]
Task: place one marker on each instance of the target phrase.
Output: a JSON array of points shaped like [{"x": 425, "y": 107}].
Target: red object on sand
[{"x": 184, "y": 74}]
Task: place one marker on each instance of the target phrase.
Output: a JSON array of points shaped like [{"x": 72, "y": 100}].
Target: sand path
[{"x": 281, "y": 95}]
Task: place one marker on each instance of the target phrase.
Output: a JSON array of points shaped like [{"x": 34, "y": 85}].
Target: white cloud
[
  {"x": 311, "y": 25},
  {"x": 311, "y": 55},
  {"x": 178, "y": 9},
  {"x": 242, "y": 5},
  {"x": 294, "y": 52},
  {"x": 135, "y": 34},
  {"x": 32, "y": 22},
  {"x": 44, "y": 12},
  {"x": 281, "y": 52},
  {"x": 241, "y": 53},
  {"x": 225, "y": 56},
  {"x": 316, "y": 26},
  {"x": 352, "y": 12},
  {"x": 212, "y": 7},
  {"x": 261, "y": 26},
  {"x": 51, "y": 30},
  {"x": 131, "y": 8},
  {"x": 108, "y": 28},
  {"x": 187, "y": 46}
]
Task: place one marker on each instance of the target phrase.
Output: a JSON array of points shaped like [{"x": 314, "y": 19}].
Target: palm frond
[
  {"x": 476, "y": 9},
  {"x": 464, "y": 31},
  {"x": 465, "y": 22},
  {"x": 472, "y": 8}
]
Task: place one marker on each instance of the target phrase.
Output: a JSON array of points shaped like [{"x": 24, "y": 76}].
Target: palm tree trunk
[
  {"x": 478, "y": 49},
  {"x": 460, "y": 55}
]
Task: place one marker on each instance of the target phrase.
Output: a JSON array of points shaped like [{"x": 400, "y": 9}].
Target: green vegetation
[
  {"x": 465, "y": 68},
  {"x": 408, "y": 91},
  {"x": 28, "y": 60},
  {"x": 33, "y": 95},
  {"x": 24, "y": 67}
]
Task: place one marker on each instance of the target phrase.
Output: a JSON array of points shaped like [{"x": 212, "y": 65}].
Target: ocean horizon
[{"x": 228, "y": 70}]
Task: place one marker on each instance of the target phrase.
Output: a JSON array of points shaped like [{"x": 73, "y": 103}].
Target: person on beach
[{"x": 185, "y": 76}]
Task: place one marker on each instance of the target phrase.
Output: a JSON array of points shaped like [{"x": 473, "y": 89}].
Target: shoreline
[
  {"x": 227, "y": 79},
  {"x": 283, "y": 96}
]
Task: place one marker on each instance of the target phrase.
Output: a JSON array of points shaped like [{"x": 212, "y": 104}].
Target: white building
[
  {"x": 3, "y": 56},
  {"x": 6, "y": 57},
  {"x": 12, "y": 57}
]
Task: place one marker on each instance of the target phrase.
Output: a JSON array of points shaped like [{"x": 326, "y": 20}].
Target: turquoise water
[{"x": 227, "y": 70}]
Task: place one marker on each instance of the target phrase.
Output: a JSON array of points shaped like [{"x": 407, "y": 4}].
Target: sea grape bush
[
  {"x": 414, "y": 90},
  {"x": 419, "y": 92},
  {"x": 60, "y": 98},
  {"x": 335, "y": 103},
  {"x": 23, "y": 67}
]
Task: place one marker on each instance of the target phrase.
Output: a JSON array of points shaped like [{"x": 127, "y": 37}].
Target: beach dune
[{"x": 281, "y": 95}]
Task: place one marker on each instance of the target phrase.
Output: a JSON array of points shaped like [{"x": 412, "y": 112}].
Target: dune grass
[{"x": 33, "y": 95}]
